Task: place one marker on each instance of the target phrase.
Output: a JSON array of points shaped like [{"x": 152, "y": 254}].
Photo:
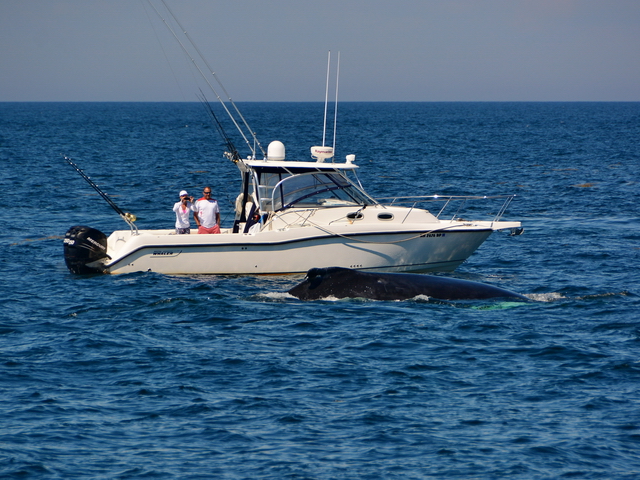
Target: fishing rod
[
  {"x": 126, "y": 216},
  {"x": 218, "y": 81},
  {"x": 232, "y": 154},
  {"x": 202, "y": 74}
]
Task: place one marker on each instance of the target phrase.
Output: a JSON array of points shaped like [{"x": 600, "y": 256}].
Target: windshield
[{"x": 317, "y": 189}]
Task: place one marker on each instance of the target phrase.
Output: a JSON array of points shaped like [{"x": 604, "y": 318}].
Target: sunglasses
[{"x": 207, "y": 193}]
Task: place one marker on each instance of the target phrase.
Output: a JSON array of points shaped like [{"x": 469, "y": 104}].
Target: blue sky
[{"x": 276, "y": 50}]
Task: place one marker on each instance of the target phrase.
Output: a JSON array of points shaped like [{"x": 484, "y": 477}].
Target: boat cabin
[{"x": 269, "y": 187}]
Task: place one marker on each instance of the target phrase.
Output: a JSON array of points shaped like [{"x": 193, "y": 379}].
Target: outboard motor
[{"x": 83, "y": 245}]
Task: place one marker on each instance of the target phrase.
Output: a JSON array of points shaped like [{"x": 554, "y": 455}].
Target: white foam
[
  {"x": 277, "y": 295},
  {"x": 545, "y": 297}
]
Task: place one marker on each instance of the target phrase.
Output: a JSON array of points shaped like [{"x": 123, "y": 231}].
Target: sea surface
[{"x": 197, "y": 377}]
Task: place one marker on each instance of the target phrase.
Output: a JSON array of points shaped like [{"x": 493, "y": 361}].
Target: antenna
[
  {"x": 326, "y": 99},
  {"x": 335, "y": 114},
  {"x": 324, "y": 152}
]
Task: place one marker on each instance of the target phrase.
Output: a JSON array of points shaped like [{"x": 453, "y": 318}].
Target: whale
[{"x": 338, "y": 282}]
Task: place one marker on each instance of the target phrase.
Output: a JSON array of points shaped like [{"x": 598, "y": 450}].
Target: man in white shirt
[{"x": 206, "y": 213}]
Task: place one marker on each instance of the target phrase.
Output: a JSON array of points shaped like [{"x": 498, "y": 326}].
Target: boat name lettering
[
  {"x": 165, "y": 253},
  {"x": 429, "y": 235}
]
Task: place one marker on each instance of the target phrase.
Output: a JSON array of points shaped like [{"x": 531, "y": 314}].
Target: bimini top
[
  {"x": 297, "y": 167},
  {"x": 275, "y": 161}
]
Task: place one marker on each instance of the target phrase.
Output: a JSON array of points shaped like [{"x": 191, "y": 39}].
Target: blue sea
[{"x": 196, "y": 377}]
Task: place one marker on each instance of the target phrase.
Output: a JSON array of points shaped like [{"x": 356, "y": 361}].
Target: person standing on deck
[
  {"x": 206, "y": 213},
  {"x": 183, "y": 209}
]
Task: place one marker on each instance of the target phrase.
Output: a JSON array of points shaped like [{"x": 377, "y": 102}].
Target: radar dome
[
  {"x": 321, "y": 153},
  {"x": 275, "y": 151}
]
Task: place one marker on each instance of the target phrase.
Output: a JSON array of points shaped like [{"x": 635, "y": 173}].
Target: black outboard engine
[{"x": 83, "y": 245}]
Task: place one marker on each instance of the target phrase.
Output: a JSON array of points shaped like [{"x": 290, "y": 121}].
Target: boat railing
[{"x": 450, "y": 205}]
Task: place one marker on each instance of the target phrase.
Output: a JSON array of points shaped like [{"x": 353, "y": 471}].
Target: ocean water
[{"x": 152, "y": 376}]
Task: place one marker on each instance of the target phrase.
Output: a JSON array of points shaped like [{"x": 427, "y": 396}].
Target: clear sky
[{"x": 276, "y": 50}]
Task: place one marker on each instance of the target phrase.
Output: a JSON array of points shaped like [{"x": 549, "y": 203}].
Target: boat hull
[{"x": 290, "y": 252}]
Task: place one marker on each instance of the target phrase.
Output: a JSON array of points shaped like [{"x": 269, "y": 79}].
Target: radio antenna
[
  {"x": 326, "y": 100},
  {"x": 324, "y": 152},
  {"x": 335, "y": 114}
]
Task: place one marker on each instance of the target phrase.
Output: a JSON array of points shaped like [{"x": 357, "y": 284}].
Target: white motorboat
[
  {"x": 292, "y": 216},
  {"x": 295, "y": 215}
]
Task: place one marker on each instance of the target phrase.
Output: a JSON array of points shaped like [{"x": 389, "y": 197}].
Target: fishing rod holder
[{"x": 130, "y": 218}]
